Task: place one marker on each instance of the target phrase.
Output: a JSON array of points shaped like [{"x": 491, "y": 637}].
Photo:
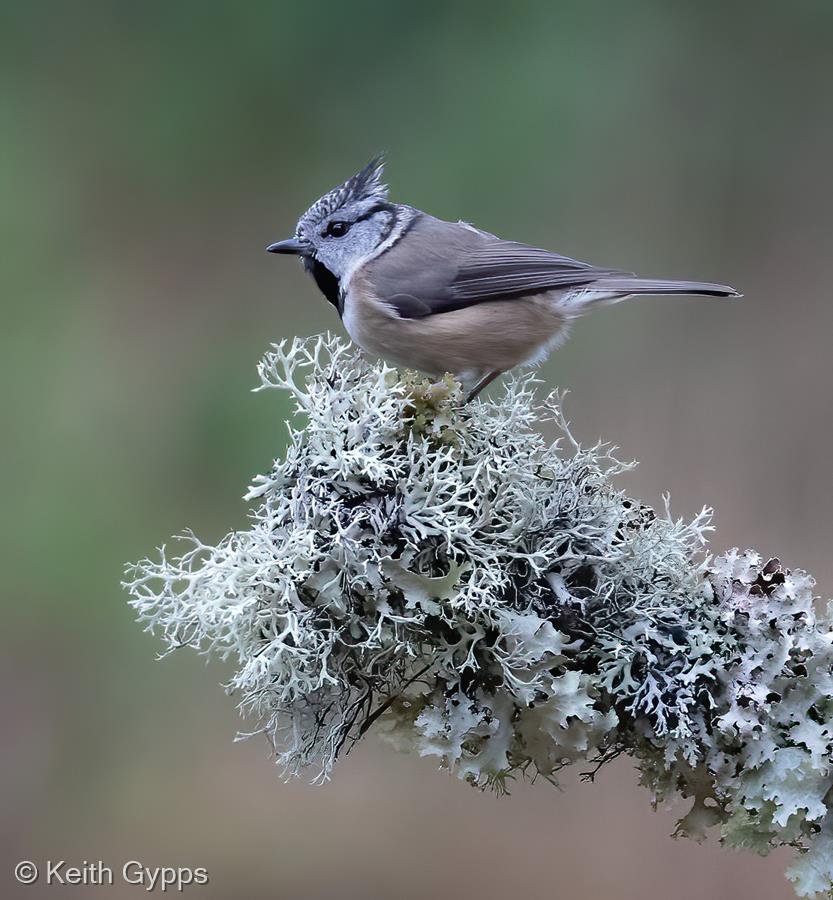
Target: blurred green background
[{"x": 149, "y": 152}]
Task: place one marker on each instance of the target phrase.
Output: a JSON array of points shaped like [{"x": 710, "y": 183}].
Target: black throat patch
[{"x": 327, "y": 282}]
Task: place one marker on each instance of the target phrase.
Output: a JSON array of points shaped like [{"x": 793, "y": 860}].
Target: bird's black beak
[{"x": 292, "y": 245}]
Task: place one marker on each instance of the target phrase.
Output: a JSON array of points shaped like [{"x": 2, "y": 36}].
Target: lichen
[{"x": 479, "y": 593}]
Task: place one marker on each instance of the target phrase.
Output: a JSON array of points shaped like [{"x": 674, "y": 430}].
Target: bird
[{"x": 446, "y": 297}]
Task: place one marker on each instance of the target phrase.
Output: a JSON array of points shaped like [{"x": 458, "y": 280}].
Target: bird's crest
[{"x": 364, "y": 186}]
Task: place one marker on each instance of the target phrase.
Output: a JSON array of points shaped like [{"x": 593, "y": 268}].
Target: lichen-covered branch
[{"x": 476, "y": 592}]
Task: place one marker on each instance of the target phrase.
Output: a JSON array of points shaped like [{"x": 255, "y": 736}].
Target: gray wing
[
  {"x": 504, "y": 269},
  {"x": 438, "y": 267}
]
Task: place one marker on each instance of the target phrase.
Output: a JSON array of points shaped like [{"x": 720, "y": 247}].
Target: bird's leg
[{"x": 485, "y": 381}]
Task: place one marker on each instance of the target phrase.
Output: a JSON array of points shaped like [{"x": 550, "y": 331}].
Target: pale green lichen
[{"x": 480, "y": 594}]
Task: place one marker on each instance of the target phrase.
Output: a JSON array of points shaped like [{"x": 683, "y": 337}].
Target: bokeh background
[{"x": 149, "y": 152}]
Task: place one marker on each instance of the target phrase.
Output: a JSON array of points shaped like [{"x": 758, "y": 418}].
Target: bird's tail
[{"x": 613, "y": 288}]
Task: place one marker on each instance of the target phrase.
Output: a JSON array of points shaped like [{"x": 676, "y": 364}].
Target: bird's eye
[{"x": 337, "y": 229}]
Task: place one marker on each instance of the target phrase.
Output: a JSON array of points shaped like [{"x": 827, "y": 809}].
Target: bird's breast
[
  {"x": 370, "y": 323},
  {"x": 485, "y": 336}
]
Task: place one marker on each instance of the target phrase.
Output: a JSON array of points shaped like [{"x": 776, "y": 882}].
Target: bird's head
[{"x": 345, "y": 225}]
